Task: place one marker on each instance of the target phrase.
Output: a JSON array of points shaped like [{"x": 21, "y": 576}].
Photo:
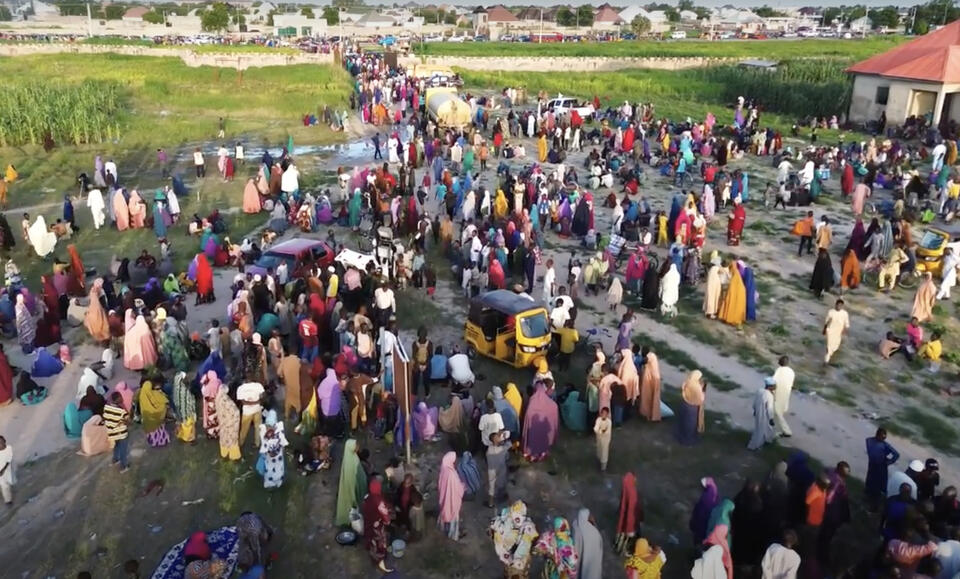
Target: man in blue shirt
[
  {"x": 880, "y": 455},
  {"x": 438, "y": 366}
]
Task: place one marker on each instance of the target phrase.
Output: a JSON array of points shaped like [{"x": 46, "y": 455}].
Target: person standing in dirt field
[
  {"x": 784, "y": 377},
  {"x": 834, "y": 328}
]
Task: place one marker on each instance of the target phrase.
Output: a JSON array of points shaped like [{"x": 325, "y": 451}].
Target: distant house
[
  {"x": 479, "y": 17},
  {"x": 689, "y": 16},
  {"x": 606, "y": 17},
  {"x": 921, "y": 77},
  {"x": 135, "y": 14},
  {"x": 374, "y": 20},
  {"x": 658, "y": 18},
  {"x": 861, "y": 24},
  {"x": 500, "y": 15},
  {"x": 298, "y": 25},
  {"x": 531, "y": 14}
]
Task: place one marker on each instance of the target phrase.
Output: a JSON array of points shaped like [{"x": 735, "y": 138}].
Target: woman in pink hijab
[
  {"x": 120, "y": 211},
  {"x": 540, "y": 425},
  {"x": 125, "y": 393},
  {"x": 139, "y": 349},
  {"x": 251, "y": 197},
  {"x": 210, "y": 387},
  {"x": 450, "y": 489}
]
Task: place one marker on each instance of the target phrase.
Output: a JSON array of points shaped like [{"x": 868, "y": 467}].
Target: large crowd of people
[{"x": 300, "y": 358}]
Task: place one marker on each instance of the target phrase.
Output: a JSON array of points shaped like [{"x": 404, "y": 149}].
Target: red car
[{"x": 298, "y": 255}]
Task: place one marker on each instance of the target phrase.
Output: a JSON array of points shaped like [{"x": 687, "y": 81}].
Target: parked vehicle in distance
[
  {"x": 563, "y": 104},
  {"x": 387, "y": 41},
  {"x": 299, "y": 254},
  {"x": 678, "y": 35},
  {"x": 790, "y": 35},
  {"x": 508, "y": 38},
  {"x": 628, "y": 36},
  {"x": 433, "y": 38},
  {"x": 457, "y": 39}
]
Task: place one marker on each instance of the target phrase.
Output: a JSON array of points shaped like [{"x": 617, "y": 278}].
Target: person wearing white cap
[
  {"x": 899, "y": 477},
  {"x": 333, "y": 285},
  {"x": 763, "y": 413}
]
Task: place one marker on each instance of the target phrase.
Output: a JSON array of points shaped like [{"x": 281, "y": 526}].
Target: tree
[
  {"x": 153, "y": 17},
  {"x": 585, "y": 15},
  {"x": 640, "y": 25},
  {"x": 332, "y": 15},
  {"x": 238, "y": 19},
  {"x": 887, "y": 18},
  {"x": 920, "y": 26},
  {"x": 114, "y": 12},
  {"x": 685, "y": 5},
  {"x": 767, "y": 12},
  {"x": 855, "y": 13},
  {"x": 672, "y": 14},
  {"x": 215, "y": 19},
  {"x": 830, "y": 15},
  {"x": 566, "y": 17},
  {"x": 5, "y": 15},
  {"x": 307, "y": 11}
]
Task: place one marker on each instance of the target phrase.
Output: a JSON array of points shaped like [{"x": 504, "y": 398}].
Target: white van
[
  {"x": 563, "y": 104},
  {"x": 679, "y": 35}
]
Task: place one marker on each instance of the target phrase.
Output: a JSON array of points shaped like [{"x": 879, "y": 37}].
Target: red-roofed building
[
  {"x": 500, "y": 15},
  {"x": 606, "y": 16},
  {"x": 921, "y": 77}
]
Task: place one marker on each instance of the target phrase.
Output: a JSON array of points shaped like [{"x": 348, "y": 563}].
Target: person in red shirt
[
  {"x": 309, "y": 344},
  {"x": 497, "y": 144}
]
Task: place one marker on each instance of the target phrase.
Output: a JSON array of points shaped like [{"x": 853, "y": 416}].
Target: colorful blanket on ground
[{"x": 223, "y": 545}]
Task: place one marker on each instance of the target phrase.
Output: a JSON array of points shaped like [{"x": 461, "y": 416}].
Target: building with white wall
[{"x": 921, "y": 77}]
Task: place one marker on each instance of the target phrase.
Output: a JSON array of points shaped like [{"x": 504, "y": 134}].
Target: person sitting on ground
[
  {"x": 932, "y": 351},
  {"x": 459, "y": 368},
  {"x": 891, "y": 344},
  {"x": 146, "y": 261}
]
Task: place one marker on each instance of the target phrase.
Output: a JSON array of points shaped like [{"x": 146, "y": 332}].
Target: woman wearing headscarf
[
  {"x": 513, "y": 534},
  {"x": 454, "y": 422},
  {"x": 469, "y": 473},
  {"x": 650, "y": 298},
  {"x": 646, "y": 562},
  {"x": 625, "y": 332},
  {"x": 540, "y": 425},
  {"x": 228, "y": 421},
  {"x": 121, "y": 211},
  {"x": 500, "y": 206},
  {"x": 650, "y": 386},
  {"x": 186, "y": 404},
  {"x": 251, "y": 197},
  {"x": 93, "y": 437},
  {"x": 630, "y": 516},
  {"x": 513, "y": 396},
  {"x": 850, "y": 271},
  {"x": 74, "y": 419},
  {"x": 153, "y": 412},
  {"x": 138, "y": 210},
  {"x": 41, "y": 238},
  {"x": 774, "y": 497},
  {"x": 76, "y": 284},
  {"x": 558, "y": 551},
  {"x": 353, "y": 483},
  {"x": 172, "y": 347},
  {"x": 720, "y": 515},
  {"x": 924, "y": 299},
  {"x": 690, "y": 423},
  {"x": 6, "y": 379},
  {"x": 95, "y": 319},
  {"x": 139, "y": 349},
  {"x": 26, "y": 325},
  {"x": 589, "y": 546},
  {"x": 858, "y": 237},
  {"x": 733, "y": 310},
  {"x": 628, "y": 375},
  {"x": 272, "y": 442},
  {"x": 822, "y": 278},
  {"x": 253, "y": 537},
  {"x": 700, "y": 517},
  {"x": 204, "y": 278},
  {"x": 748, "y": 521},
  {"x": 376, "y": 517},
  {"x": 450, "y": 491},
  {"x": 511, "y": 420},
  {"x": 209, "y": 389}
]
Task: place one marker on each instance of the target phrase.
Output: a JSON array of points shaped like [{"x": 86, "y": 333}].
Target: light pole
[
  {"x": 540, "y": 40},
  {"x": 343, "y": 43}
]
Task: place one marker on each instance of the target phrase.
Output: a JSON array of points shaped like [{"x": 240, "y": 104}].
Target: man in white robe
[
  {"x": 784, "y": 377},
  {"x": 781, "y": 561},
  {"x": 763, "y": 411},
  {"x": 709, "y": 565},
  {"x": 41, "y": 238},
  {"x": 96, "y": 205}
]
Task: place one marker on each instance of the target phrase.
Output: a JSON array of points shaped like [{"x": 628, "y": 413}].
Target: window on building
[{"x": 883, "y": 92}]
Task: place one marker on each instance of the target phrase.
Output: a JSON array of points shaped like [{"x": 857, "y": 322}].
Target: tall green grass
[
  {"x": 854, "y": 49},
  {"x": 77, "y": 113},
  {"x": 797, "y": 89},
  {"x": 169, "y": 102}
]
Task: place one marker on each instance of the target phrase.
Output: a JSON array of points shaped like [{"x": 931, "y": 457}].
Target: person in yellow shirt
[
  {"x": 662, "y": 239},
  {"x": 568, "y": 343},
  {"x": 932, "y": 351}
]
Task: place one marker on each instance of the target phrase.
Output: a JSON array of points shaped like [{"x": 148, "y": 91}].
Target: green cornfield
[
  {"x": 799, "y": 88},
  {"x": 76, "y": 113}
]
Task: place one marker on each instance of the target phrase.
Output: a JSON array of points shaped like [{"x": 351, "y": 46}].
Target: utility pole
[
  {"x": 540, "y": 40},
  {"x": 946, "y": 4},
  {"x": 89, "y": 22},
  {"x": 343, "y": 42}
]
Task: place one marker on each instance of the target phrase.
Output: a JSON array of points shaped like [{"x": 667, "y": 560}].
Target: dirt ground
[{"x": 96, "y": 519}]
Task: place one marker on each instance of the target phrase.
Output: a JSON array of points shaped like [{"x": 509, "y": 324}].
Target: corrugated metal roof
[{"x": 934, "y": 57}]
